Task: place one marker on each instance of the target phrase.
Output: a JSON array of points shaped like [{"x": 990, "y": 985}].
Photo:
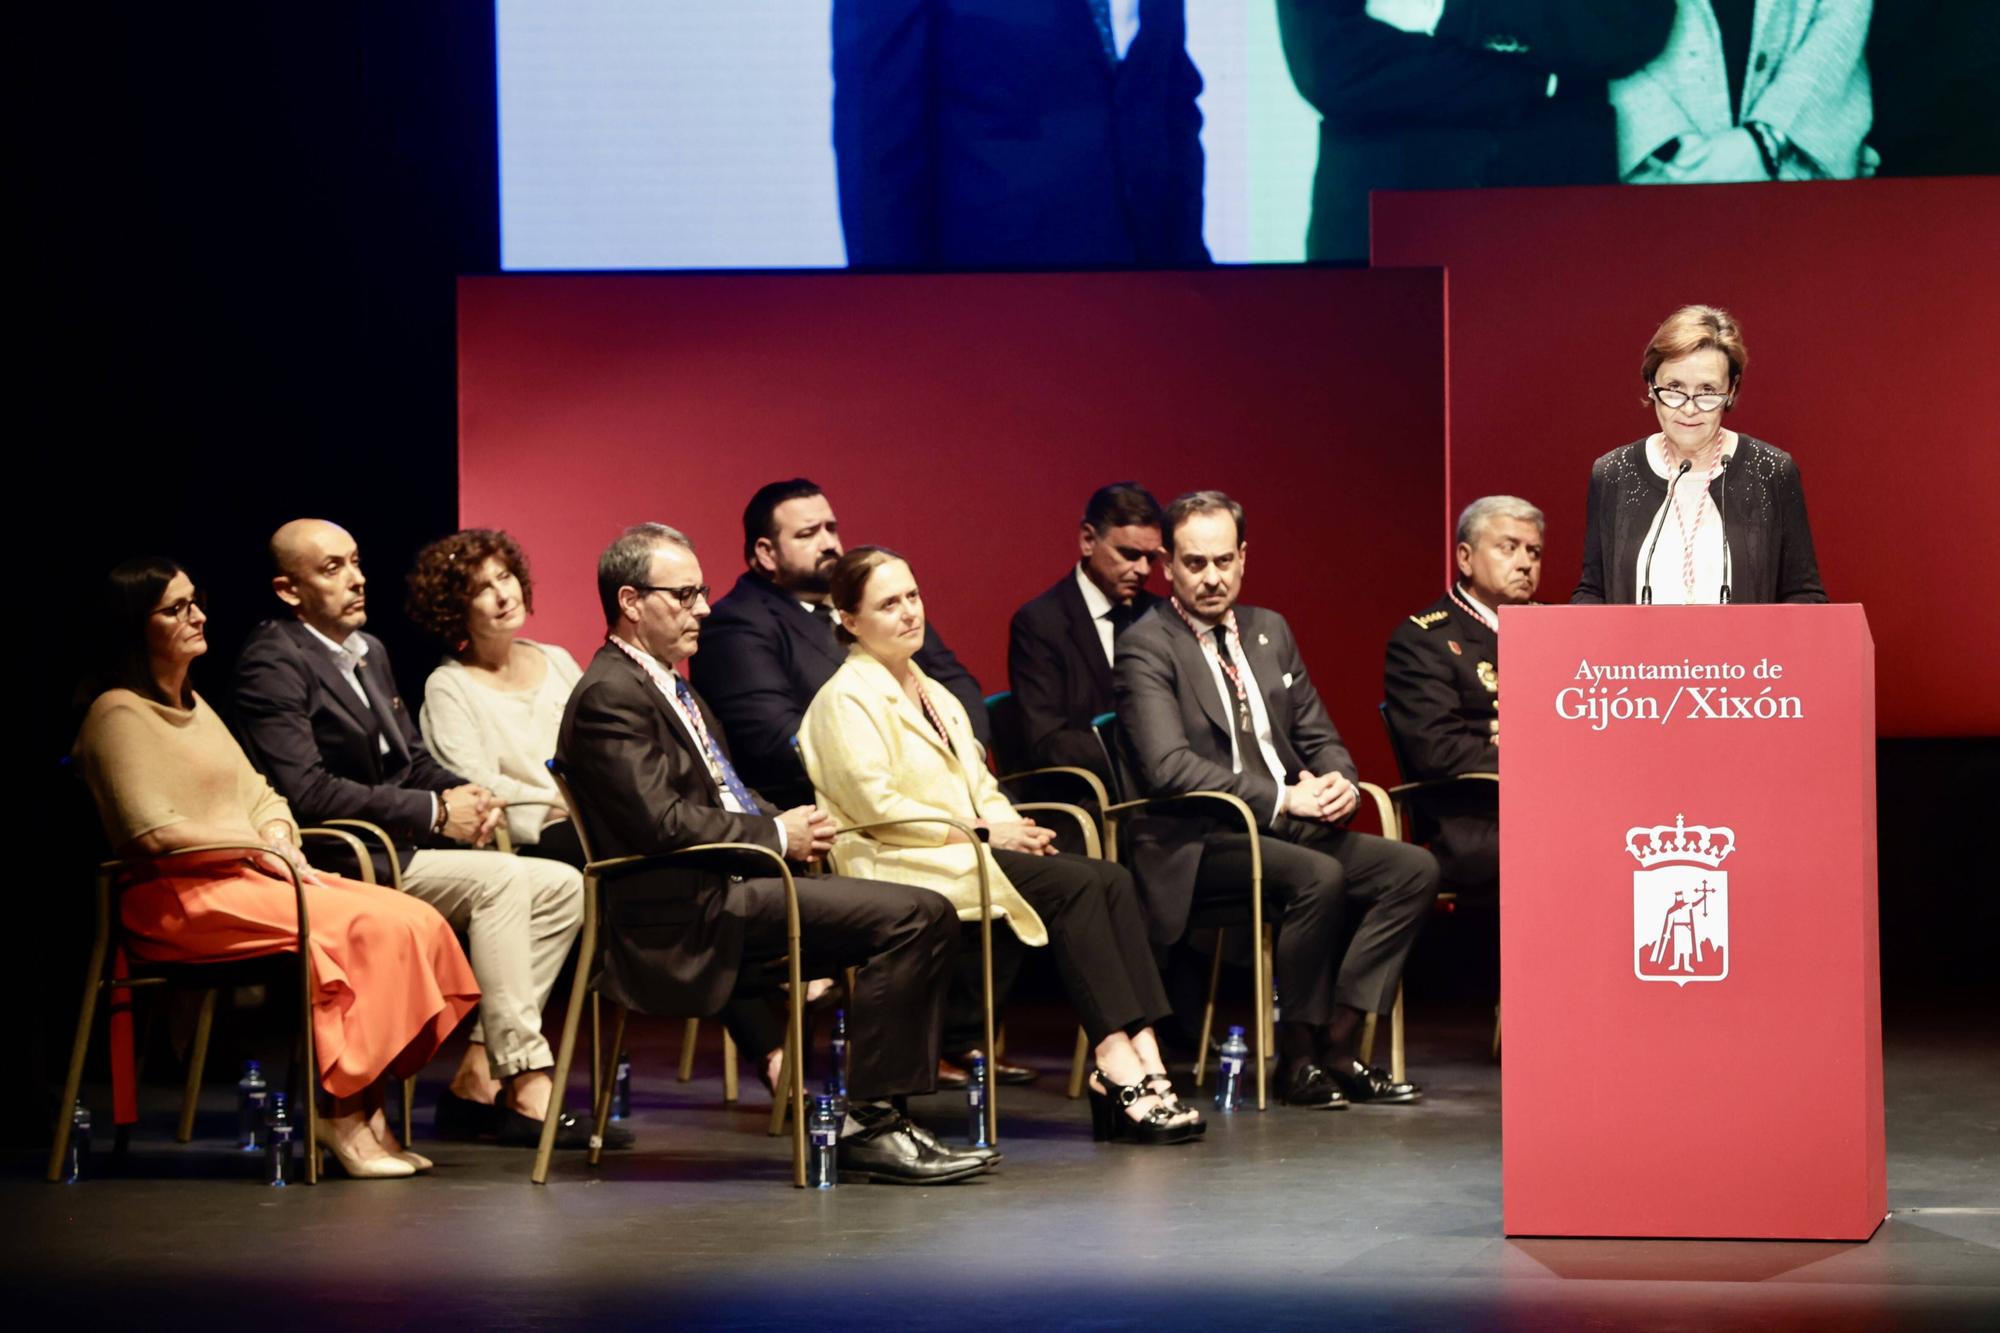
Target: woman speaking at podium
[{"x": 1695, "y": 512}]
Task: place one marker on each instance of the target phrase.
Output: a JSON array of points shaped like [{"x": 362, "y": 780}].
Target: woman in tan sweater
[{"x": 389, "y": 979}]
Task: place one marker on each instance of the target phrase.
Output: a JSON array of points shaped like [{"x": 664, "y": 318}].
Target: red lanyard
[{"x": 1228, "y": 667}]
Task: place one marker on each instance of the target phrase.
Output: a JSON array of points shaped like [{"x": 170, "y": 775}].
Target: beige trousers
[{"x": 520, "y": 914}]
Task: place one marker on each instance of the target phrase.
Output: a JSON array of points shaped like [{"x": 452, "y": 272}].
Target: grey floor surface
[{"x": 1374, "y": 1218}]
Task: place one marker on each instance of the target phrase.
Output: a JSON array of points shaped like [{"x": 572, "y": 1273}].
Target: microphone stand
[
  {"x": 1722, "y": 517},
  {"x": 1653, "y": 538}
]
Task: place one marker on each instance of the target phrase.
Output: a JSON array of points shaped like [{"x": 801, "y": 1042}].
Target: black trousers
[
  {"x": 1314, "y": 876},
  {"x": 1097, "y": 934},
  {"x": 900, "y": 938}
]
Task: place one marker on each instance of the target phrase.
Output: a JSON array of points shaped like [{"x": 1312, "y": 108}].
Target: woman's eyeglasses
[{"x": 1674, "y": 399}]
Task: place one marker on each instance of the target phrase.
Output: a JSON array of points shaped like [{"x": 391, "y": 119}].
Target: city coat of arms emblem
[{"x": 1680, "y": 901}]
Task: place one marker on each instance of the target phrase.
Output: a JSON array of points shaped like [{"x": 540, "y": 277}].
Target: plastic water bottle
[
  {"x": 837, "y": 1049},
  {"x": 975, "y": 1105},
  {"x": 839, "y": 1100},
  {"x": 1229, "y": 1078},
  {"x": 621, "y": 1088},
  {"x": 251, "y": 1095},
  {"x": 822, "y": 1145},
  {"x": 77, "y": 1164},
  {"x": 278, "y": 1143}
]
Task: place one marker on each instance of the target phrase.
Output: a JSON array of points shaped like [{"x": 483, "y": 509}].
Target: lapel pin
[{"x": 1263, "y": 641}]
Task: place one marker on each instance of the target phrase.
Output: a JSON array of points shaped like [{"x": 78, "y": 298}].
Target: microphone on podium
[{"x": 1653, "y": 539}]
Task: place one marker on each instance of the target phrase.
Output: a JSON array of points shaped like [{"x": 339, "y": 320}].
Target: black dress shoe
[
  {"x": 1306, "y": 1084},
  {"x": 462, "y": 1118},
  {"x": 886, "y": 1152},
  {"x": 990, "y": 1156},
  {"x": 525, "y": 1131},
  {"x": 1002, "y": 1073},
  {"x": 1362, "y": 1084}
]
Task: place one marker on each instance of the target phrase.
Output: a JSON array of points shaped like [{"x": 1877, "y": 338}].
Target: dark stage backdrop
[
  {"x": 1872, "y": 314},
  {"x": 963, "y": 420}
]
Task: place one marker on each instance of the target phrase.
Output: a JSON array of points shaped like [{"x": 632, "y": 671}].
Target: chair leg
[
  {"x": 596, "y": 1046},
  {"x": 566, "y": 1046},
  {"x": 986, "y": 1000},
  {"x": 1396, "y": 1066},
  {"x": 1267, "y": 1013},
  {"x": 309, "y": 1091},
  {"x": 409, "y": 1110},
  {"x": 1208, "y": 1011},
  {"x": 204, "y": 1023},
  {"x": 73, "y": 1080},
  {"x": 600, "y": 1109},
  {"x": 730, "y": 1086},
  {"x": 1496, "y": 1033},
  {"x": 1077, "y": 1068},
  {"x": 1366, "y": 1048},
  {"x": 689, "y": 1032}
]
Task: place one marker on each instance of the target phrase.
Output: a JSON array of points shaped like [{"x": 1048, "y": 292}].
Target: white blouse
[
  {"x": 502, "y": 739},
  {"x": 1670, "y": 566}
]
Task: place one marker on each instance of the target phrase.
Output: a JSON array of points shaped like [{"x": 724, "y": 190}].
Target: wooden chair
[
  {"x": 719, "y": 858},
  {"x": 208, "y": 978},
  {"x": 1415, "y": 802},
  {"x": 1233, "y": 916}
]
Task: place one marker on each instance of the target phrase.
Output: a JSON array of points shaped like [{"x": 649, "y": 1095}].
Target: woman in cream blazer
[{"x": 881, "y": 742}]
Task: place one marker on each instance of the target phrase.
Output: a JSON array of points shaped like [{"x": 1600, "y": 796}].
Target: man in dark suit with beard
[
  {"x": 1441, "y": 686},
  {"x": 769, "y": 645},
  {"x": 650, "y": 775},
  {"x": 1214, "y": 696},
  {"x": 1016, "y": 133},
  {"x": 1059, "y": 648}
]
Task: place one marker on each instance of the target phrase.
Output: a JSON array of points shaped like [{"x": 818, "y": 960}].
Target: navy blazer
[
  {"x": 1060, "y": 678},
  {"x": 762, "y": 659},
  {"x": 303, "y": 728},
  {"x": 1000, "y": 133}
]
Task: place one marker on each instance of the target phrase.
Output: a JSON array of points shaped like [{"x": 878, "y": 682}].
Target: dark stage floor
[{"x": 1370, "y": 1218}]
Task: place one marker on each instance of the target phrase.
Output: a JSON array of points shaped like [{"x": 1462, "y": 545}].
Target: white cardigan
[
  {"x": 1807, "y": 79},
  {"x": 502, "y": 741}
]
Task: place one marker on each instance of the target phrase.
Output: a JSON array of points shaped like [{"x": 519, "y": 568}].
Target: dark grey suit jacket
[
  {"x": 1175, "y": 728},
  {"x": 304, "y": 730},
  {"x": 673, "y": 939}
]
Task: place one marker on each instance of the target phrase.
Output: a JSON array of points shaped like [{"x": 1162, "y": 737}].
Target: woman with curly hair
[{"x": 492, "y": 706}]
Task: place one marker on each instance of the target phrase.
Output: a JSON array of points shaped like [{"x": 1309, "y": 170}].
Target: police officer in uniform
[{"x": 1441, "y": 685}]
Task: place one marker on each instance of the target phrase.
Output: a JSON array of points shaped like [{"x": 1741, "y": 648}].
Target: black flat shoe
[
  {"x": 1111, "y": 1121},
  {"x": 463, "y": 1119},
  {"x": 1373, "y": 1086},
  {"x": 572, "y": 1132},
  {"x": 1306, "y": 1084},
  {"x": 886, "y": 1152}
]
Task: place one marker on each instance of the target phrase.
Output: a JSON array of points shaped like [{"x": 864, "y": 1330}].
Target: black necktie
[
  {"x": 1121, "y": 617},
  {"x": 823, "y": 613}
]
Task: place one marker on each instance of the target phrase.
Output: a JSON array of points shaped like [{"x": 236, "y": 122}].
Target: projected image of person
[
  {"x": 1750, "y": 90},
  {"x": 1443, "y": 94},
  {"x": 1017, "y": 133}
]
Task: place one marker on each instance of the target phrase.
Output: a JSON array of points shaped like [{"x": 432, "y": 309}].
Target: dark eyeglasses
[
  {"x": 184, "y": 609},
  {"x": 687, "y": 596},
  {"x": 1673, "y": 399}
]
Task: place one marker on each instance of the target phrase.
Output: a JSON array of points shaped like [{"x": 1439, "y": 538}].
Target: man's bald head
[{"x": 318, "y": 574}]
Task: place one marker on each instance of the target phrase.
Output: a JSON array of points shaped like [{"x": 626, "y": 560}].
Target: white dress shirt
[
  {"x": 1668, "y": 587},
  {"x": 1124, "y": 24},
  {"x": 1100, "y": 608},
  {"x": 1260, "y": 720}
]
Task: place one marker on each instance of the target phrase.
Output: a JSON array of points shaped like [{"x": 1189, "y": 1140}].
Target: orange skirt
[{"x": 389, "y": 979}]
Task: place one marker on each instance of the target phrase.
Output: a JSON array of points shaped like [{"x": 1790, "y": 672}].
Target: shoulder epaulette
[{"x": 1429, "y": 619}]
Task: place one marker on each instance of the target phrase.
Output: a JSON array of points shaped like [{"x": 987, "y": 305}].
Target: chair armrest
[
  {"x": 108, "y": 871},
  {"x": 722, "y": 858},
  {"x": 1192, "y": 803},
  {"x": 1385, "y": 810},
  {"x": 354, "y": 844},
  {"x": 1092, "y": 845},
  {"x": 381, "y": 835},
  {"x": 1440, "y": 784},
  {"x": 1089, "y": 779}
]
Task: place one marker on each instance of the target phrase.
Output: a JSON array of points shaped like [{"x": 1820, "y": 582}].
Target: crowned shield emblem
[{"x": 1680, "y": 901}]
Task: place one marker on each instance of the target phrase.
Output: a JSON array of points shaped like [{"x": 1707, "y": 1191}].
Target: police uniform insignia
[
  {"x": 1456, "y": 651},
  {"x": 1488, "y": 676},
  {"x": 1429, "y": 619}
]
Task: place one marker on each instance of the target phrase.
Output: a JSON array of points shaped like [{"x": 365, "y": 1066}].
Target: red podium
[{"x": 1688, "y": 951}]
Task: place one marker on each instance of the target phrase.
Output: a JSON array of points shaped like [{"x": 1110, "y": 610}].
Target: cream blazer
[{"x": 872, "y": 755}]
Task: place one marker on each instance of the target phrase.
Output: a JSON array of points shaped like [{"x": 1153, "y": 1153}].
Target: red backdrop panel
[
  {"x": 963, "y": 419},
  {"x": 1872, "y": 313}
]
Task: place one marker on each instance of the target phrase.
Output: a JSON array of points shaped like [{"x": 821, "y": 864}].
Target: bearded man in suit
[{"x": 1214, "y": 696}]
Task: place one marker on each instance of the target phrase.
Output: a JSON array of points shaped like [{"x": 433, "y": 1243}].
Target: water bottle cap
[
  {"x": 251, "y": 1066},
  {"x": 979, "y": 1062},
  {"x": 1235, "y": 1031},
  {"x": 823, "y": 1103},
  {"x": 278, "y": 1101}
]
